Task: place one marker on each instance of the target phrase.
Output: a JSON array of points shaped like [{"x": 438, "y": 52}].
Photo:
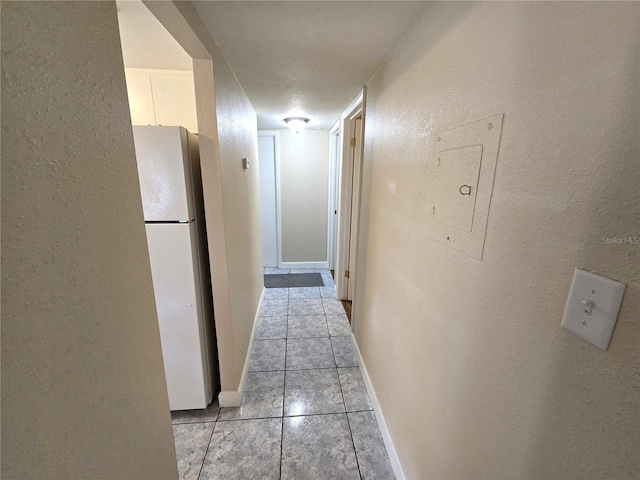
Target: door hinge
[
  {"x": 353, "y": 142},
  {"x": 346, "y": 273}
]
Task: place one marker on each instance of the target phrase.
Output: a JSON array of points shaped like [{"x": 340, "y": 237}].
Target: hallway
[{"x": 305, "y": 412}]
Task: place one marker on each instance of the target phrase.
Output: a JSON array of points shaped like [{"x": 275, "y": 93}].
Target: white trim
[
  {"x": 345, "y": 195},
  {"x": 158, "y": 71},
  {"x": 229, "y": 399},
  {"x": 233, "y": 398},
  {"x": 332, "y": 201},
  {"x": 286, "y": 265},
  {"x": 382, "y": 424},
  {"x": 276, "y": 143},
  {"x": 354, "y": 104},
  {"x": 358, "y": 124}
]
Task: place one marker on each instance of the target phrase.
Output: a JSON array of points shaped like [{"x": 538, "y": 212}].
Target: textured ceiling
[
  {"x": 306, "y": 58},
  {"x": 293, "y": 58}
]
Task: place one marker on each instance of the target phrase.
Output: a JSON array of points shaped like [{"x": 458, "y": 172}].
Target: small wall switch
[
  {"x": 592, "y": 307},
  {"x": 245, "y": 163}
]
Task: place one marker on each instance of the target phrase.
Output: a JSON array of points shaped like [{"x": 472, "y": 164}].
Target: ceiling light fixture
[{"x": 296, "y": 124}]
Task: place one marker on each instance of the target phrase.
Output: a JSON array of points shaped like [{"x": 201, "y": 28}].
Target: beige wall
[
  {"x": 304, "y": 183},
  {"x": 474, "y": 374},
  {"x": 83, "y": 389},
  {"x": 238, "y": 138},
  {"x": 227, "y": 133}
]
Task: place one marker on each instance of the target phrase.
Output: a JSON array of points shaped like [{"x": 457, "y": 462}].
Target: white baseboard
[
  {"x": 382, "y": 424},
  {"x": 303, "y": 265},
  {"x": 234, "y": 398},
  {"x": 229, "y": 399},
  {"x": 245, "y": 369}
]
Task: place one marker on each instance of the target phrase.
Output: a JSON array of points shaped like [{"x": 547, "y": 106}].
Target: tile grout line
[
  {"x": 282, "y": 417},
  {"x": 355, "y": 453},
  {"x": 296, "y": 369},
  {"x": 291, "y": 416},
  {"x": 284, "y": 383},
  {"x": 191, "y": 423},
  {"x": 346, "y": 414},
  {"x": 208, "y": 447}
]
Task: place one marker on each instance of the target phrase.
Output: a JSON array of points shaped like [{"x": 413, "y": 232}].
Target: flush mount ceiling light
[{"x": 296, "y": 124}]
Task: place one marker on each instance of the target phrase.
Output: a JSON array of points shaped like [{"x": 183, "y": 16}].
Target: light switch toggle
[
  {"x": 581, "y": 316},
  {"x": 588, "y": 306}
]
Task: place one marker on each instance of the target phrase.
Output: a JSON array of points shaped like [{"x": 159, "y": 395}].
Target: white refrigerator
[{"x": 171, "y": 186}]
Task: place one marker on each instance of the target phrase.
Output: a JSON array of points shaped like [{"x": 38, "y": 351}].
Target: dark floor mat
[{"x": 289, "y": 280}]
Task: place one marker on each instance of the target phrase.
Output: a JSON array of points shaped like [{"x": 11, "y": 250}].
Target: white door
[
  {"x": 176, "y": 285},
  {"x": 164, "y": 170},
  {"x": 355, "y": 207},
  {"x": 349, "y": 171},
  {"x": 268, "y": 197},
  {"x": 333, "y": 199}
]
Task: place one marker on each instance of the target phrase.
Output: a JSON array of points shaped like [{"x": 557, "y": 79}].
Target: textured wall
[
  {"x": 238, "y": 138},
  {"x": 474, "y": 374},
  {"x": 83, "y": 389},
  {"x": 304, "y": 181}
]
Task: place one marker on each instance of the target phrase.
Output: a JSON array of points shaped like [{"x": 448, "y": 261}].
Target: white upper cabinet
[
  {"x": 162, "y": 97},
  {"x": 140, "y": 99},
  {"x": 175, "y": 100}
]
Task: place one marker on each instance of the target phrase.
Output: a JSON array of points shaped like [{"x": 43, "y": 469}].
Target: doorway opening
[
  {"x": 332, "y": 213},
  {"x": 349, "y": 184},
  {"x": 269, "y": 165},
  {"x": 346, "y": 304},
  {"x": 161, "y": 90}
]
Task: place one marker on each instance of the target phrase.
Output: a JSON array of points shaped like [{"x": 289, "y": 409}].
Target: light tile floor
[{"x": 305, "y": 411}]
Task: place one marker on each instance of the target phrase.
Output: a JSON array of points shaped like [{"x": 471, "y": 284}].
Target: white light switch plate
[{"x": 603, "y": 297}]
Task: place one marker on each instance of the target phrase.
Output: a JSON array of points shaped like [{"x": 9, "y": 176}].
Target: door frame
[
  {"x": 335, "y": 151},
  {"x": 276, "y": 145},
  {"x": 358, "y": 120},
  {"x": 346, "y": 182}
]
